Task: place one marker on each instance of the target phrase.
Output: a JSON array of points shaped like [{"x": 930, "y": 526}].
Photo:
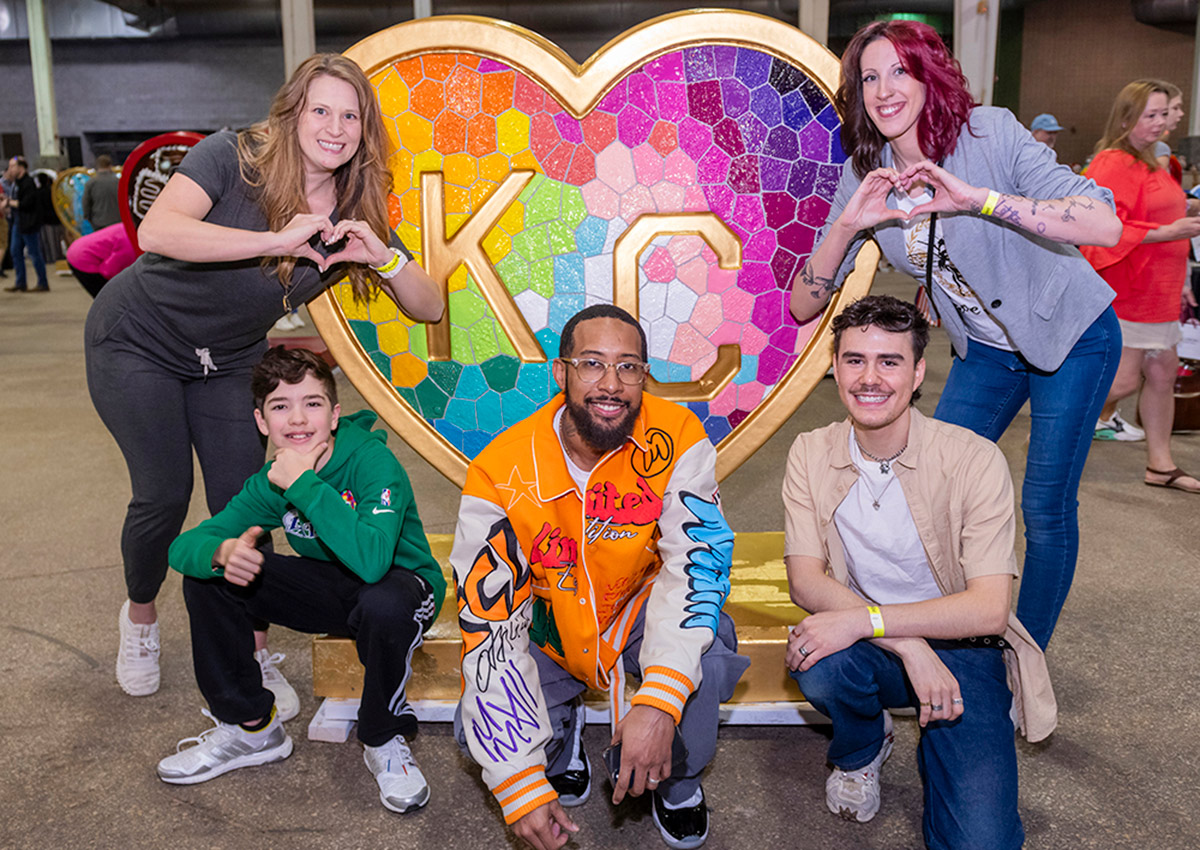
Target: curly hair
[
  {"x": 886, "y": 313},
  {"x": 270, "y": 160},
  {"x": 1126, "y": 110},
  {"x": 948, "y": 101}
]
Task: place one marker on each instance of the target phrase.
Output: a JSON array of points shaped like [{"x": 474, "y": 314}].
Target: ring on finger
[
  {"x": 937, "y": 706},
  {"x": 805, "y": 651},
  {"x": 652, "y": 781},
  {"x": 956, "y": 701}
]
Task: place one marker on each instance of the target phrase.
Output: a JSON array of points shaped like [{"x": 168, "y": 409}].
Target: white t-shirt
[
  {"x": 884, "y": 555},
  {"x": 579, "y": 474},
  {"x": 981, "y": 325}
]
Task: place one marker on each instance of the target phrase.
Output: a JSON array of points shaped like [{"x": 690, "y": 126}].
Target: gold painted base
[{"x": 759, "y": 605}]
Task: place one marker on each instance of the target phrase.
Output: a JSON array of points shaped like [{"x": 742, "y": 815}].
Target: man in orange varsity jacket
[{"x": 590, "y": 543}]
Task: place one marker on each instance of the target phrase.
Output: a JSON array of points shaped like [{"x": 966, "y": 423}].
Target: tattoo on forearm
[
  {"x": 1081, "y": 203},
  {"x": 819, "y": 287},
  {"x": 1041, "y": 228},
  {"x": 1005, "y": 211}
]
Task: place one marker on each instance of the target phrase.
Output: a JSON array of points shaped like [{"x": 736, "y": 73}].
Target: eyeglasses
[{"x": 590, "y": 370}]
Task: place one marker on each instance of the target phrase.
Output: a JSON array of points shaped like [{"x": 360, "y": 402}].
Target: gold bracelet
[
  {"x": 390, "y": 264},
  {"x": 989, "y": 206},
  {"x": 876, "y": 620}
]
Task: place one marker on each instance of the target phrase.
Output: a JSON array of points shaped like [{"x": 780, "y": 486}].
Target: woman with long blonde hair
[
  {"x": 249, "y": 225},
  {"x": 1147, "y": 268}
]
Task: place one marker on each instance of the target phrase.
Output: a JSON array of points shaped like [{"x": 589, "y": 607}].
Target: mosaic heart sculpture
[{"x": 682, "y": 173}]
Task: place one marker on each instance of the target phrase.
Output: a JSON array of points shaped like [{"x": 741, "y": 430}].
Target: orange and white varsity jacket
[{"x": 535, "y": 559}]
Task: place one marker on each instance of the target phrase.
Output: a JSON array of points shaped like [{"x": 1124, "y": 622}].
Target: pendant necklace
[{"x": 885, "y": 463}]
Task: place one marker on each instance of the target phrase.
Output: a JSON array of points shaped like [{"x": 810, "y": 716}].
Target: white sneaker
[
  {"x": 137, "y": 656},
  {"x": 1118, "y": 429},
  {"x": 854, "y": 794},
  {"x": 287, "y": 703},
  {"x": 223, "y": 748},
  {"x": 402, "y": 786}
]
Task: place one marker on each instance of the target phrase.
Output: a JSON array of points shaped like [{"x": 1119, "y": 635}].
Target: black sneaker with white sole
[
  {"x": 573, "y": 786},
  {"x": 683, "y": 829}
]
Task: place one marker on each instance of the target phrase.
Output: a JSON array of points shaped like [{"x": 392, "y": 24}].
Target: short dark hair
[
  {"x": 889, "y": 314},
  {"x": 21, "y": 161},
  {"x": 566, "y": 343},
  {"x": 289, "y": 366},
  {"x": 104, "y": 161}
]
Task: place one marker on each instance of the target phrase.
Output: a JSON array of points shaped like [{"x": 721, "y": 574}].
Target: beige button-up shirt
[{"x": 960, "y": 494}]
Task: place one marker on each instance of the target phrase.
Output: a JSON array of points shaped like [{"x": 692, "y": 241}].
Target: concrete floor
[{"x": 76, "y": 764}]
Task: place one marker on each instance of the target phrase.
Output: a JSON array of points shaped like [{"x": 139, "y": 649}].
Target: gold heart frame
[{"x": 579, "y": 88}]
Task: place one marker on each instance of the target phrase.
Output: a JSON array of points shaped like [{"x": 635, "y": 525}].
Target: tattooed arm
[
  {"x": 850, "y": 215},
  {"x": 1074, "y": 220}
]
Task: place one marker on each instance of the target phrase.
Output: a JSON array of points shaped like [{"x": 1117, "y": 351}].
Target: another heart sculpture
[{"x": 682, "y": 173}]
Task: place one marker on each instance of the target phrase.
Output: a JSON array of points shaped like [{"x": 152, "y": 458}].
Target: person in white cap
[{"x": 1045, "y": 129}]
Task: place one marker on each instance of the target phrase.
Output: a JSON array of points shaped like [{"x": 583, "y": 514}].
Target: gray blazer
[{"x": 1044, "y": 293}]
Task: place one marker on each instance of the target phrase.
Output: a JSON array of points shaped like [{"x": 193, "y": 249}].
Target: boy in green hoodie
[{"x": 363, "y": 569}]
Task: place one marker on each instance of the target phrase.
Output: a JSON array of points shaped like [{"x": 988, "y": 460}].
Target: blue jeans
[
  {"x": 19, "y": 243},
  {"x": 984, "y": 393},
  {"x": 968, "y": 766}
]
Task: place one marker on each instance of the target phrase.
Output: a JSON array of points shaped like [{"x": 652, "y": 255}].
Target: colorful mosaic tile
[{"x": 722, "y": 129}]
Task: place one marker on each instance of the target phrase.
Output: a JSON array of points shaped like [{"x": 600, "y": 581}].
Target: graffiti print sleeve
[
  {"x": 697, "y": 551},
  {"x": 504, "y": 715}
]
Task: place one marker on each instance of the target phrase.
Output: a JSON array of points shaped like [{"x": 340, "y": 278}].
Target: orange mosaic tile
[
  {"x": 450, "y": 133},
  {"x": 497, "y": 92},
  {"x": 481, "y": 135},
  {"x": 438, "y": 65},
  {"x": 410, "y": 71},
  {"x": 428, "y": 98}
]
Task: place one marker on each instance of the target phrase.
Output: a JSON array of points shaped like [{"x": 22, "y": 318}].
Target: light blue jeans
[{"x": 984, "y": 392}]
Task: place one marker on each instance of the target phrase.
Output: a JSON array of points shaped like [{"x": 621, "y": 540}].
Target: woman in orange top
[{"x": 1147, "y": 268}]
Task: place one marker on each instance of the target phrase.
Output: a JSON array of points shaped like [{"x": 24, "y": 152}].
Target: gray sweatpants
[{"x": 721, "y": 668}]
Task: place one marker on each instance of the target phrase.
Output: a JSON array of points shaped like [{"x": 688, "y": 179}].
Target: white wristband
[{"x": 398, "y": 262}]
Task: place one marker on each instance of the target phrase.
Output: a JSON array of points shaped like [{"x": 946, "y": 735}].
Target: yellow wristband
[
  {"x": 876, "y": 620},
  {"x": 989, "y": 206},
  {"x": 390, "y": 264}
]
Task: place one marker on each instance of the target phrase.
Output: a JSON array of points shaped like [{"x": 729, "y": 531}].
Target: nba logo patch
[
  {"x": 349, "y": 499},
  {"x": 385, "y": 498}
]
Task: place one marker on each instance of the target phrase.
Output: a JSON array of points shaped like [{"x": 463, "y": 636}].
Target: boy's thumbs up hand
[{"x": 240, "y": 558}]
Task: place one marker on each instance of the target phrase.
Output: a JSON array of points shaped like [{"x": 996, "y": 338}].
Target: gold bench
[{"x": 759, "y": 605}]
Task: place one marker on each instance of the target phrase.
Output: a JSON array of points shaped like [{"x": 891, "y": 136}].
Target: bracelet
[
  {"x": 876, "y": 620},
  {"x": 392, "y": 267},
  {"x": 989, "y": 206}
]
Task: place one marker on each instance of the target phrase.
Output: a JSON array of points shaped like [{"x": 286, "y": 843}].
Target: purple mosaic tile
[
  {"x": 669, "y": 67},
  {"x": 672, "y": 100},
  {"x": 748, "y": 213},
  {"x": 615, "y": 99},
  {"x": 694, "y": 138},
  {"x": 760, "y": 247},
  {"x": 754, "y": 132},
  {"x": 713, "y": 166},
  {"x": 773, "y": 173},
  {"x": 783, "y": 266},
  {"x": 698, "y": 63},
  {"x": 782, "y": 144},
  {"x": 797, "y": 238},
  {"x": 753, "y": 68},
  {"x": 704, "y": 101},
  {"x": 487, "y": 66},
  {"x": 735, "y": 96},
  {"x": 795, "y": 111},
  {"x": 743, "y": 175},
  {"x": 641, "y": 94},
  {"x": 765, "y": 103},
  {"x": 633, "y": 127},
  {"x": 803, "y": 179},
  {"x": 725, "y": 60},
  {"x": 728, "y": 136},
  {"x": 780, "y": 209},
  {"x": 814, "y": 141},
  {"x": 568, "y": 127}
]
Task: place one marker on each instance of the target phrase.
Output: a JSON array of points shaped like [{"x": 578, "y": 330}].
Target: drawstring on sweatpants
[{"x": 206, "y": 361}]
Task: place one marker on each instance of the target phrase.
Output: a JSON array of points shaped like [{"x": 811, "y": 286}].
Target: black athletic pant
[
  {"x": 157, "y": 414},
  {"x": 386, "y": 619}
]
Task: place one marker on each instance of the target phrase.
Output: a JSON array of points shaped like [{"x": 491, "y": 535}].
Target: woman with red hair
[{"x": 1028, "y": 317}]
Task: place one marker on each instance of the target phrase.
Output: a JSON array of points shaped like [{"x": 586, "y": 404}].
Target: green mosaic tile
[
  {"x": 541, "y": 278},
  {"x": 483, "y": 341},
  {"x": 418, "y": 342},
  {"x": 545, "y": 205},
  {"x": 367, "y": 336},
  {"x": 433, "y": 401},
  {"x": 500, "y": 372},
  {"x": 460, "y": 344},
  {"x": 383, "y": 363},
  {"x": 506, "y": 347},
  {"x": 532, "y": 243},
  {"x": 445, "y": 374},
  {"x": 514, "y": 272},
  {"x": 561, "y": 237},
  {"x": 409, "y": 396},
  {"x": 573, "y": 209},
  {"x": 466, "y": 307}
]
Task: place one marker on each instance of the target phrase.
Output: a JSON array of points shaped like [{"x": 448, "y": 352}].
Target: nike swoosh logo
[{"x": 382, "y": 511}]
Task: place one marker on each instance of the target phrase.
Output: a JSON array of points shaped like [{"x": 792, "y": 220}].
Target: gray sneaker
[
  {"x": 223, "y": 748},
  {"x": 287, "y": 702},
  {"x": 137, "y": 656},
  {"x": 402, "y": 786},
  {"x": 854, "y": 794}
]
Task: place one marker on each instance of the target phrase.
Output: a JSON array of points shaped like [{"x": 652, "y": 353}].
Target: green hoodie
[{"x": 358, "y": 510}]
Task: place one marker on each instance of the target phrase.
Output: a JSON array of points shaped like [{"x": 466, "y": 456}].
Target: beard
[{"x": 601, "y": 437}]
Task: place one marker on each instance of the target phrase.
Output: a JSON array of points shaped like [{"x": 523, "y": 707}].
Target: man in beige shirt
[{"x": 899, "y": 539}]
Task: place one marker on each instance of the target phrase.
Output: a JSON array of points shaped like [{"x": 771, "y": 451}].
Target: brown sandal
[{"x": 1173, "y": 475}]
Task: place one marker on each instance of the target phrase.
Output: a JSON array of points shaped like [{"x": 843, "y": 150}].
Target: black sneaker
[
  {"x": 682, "y": 829},
  {"x": 573, "y": 786}
]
